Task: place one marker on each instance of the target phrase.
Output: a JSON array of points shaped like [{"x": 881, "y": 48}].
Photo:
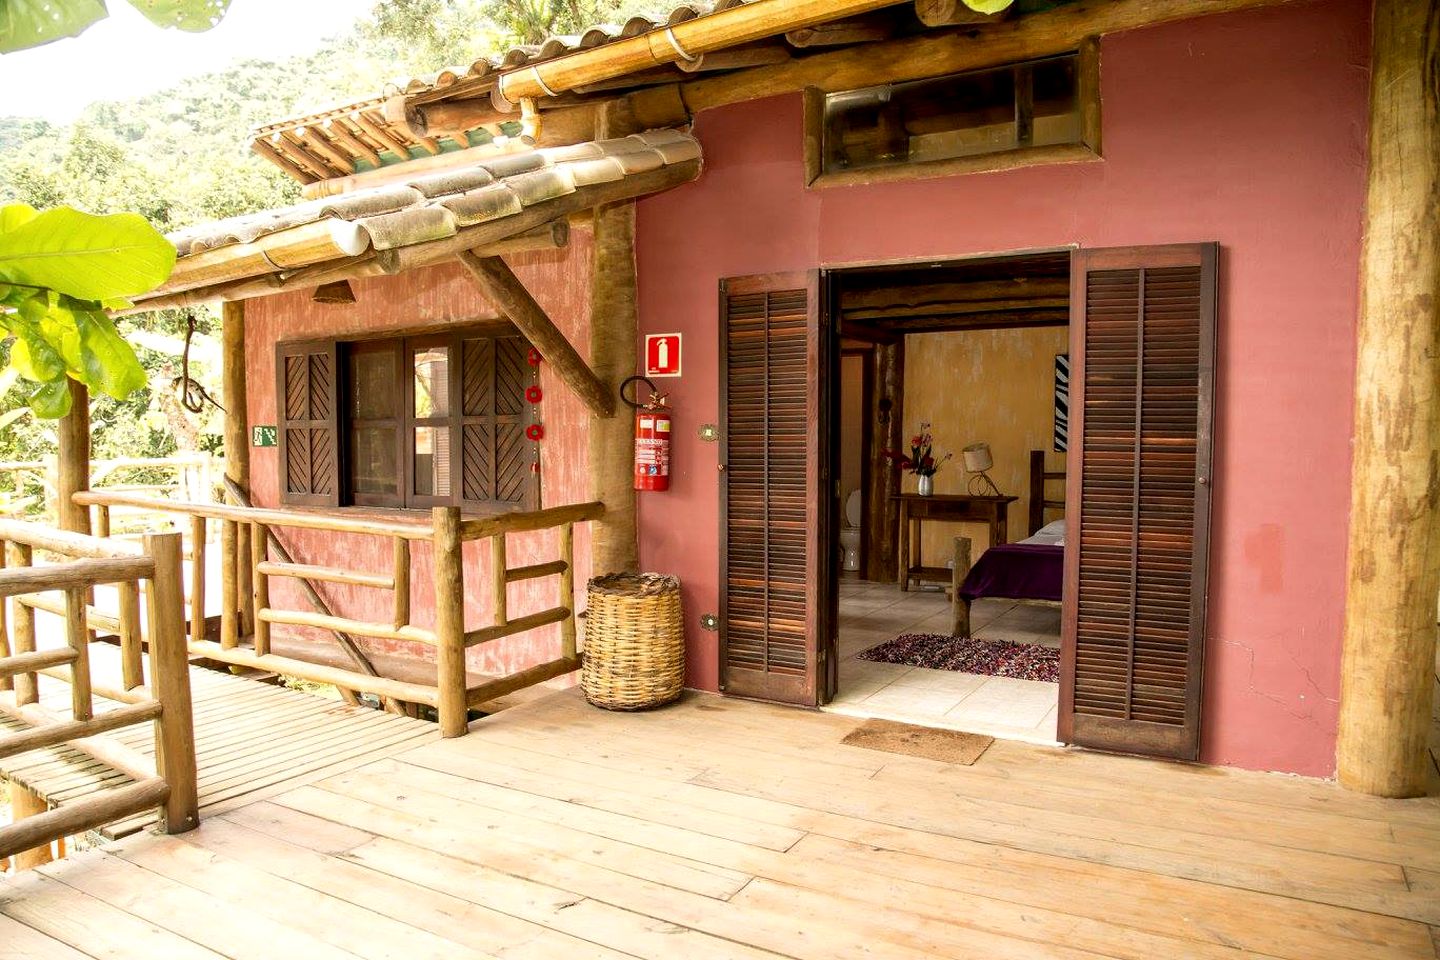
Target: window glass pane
[
  {"x": 372, "y": 384},
  {"x": 432, "y": 461},
  {"x": 948, "y": 117},
  {"x": 373, "y": 465},
  {"x": 432, "y": 381}
]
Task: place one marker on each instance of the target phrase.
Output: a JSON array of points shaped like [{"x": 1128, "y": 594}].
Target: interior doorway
[{"x": 947, "y": 359}]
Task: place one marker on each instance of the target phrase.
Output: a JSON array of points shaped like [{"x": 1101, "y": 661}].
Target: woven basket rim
[{"x": 634, "y": 584}]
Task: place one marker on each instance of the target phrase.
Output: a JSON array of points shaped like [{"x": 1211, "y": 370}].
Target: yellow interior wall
[{"x": 991, "y": 385}]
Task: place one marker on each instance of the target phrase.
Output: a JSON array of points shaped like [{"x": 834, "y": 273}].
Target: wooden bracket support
[{"x": 500, "y": 284}]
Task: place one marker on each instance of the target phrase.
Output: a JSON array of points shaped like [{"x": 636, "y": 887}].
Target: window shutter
[
  {"x": 496, "y": 456},
  {"x": 307, "y": 402},
  {"x": 774, "y": 515},
  {"x": 1138, "y": 498}
]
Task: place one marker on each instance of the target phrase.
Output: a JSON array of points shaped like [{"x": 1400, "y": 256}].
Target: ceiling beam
[
  {"x": 918, "y": 294},
  {"x": 959, "y": 307},
  {"x": 979, "y": 321},
  {"x": 504, "y": 289}
]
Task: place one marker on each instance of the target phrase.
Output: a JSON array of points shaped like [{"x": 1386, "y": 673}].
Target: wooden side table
[{"x": 944, "y": 508}]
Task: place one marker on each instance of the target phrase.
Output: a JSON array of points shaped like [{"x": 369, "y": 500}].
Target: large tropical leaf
[
  {"x": 85, "y": 256},
  {"x": 194, "y": 16},
  {"x": 30, "y": 23},
  {"x": 988, "y": 6}
]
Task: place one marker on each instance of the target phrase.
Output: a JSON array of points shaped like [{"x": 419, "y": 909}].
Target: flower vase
[{"x": 925, "y": 486}]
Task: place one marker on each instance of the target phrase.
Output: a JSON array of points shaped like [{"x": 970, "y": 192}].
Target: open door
[
  {"x": 1142, "y": 352},
  {"x": 777, "y": 505}
]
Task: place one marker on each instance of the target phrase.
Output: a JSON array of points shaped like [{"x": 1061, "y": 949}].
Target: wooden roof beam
[
  {"x": 500, "y": 285},
  {"x": 959, "y": 308},
  {"x": 869, "y": 28},
  {"x": 948, "y": 13},
  {"x": 973, "y": 321},
  {"x": 974, "y": 47},
  {"x": 918, "y": 294}
]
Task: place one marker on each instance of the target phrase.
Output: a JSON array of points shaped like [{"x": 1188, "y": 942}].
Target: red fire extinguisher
[{"x": 652, "y": 438}]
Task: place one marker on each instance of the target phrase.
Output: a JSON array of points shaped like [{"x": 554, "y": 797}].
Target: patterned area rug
[{"x": 990, "y": 658}]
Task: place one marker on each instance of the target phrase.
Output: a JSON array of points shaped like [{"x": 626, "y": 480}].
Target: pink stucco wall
[
  {"x": 1247, "y": 129},
  {"x": 560, "y": 281}
]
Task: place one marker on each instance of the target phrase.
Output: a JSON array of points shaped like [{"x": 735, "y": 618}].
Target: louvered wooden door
[
  {"x": 1138, "y": 498},
  {"x": 307, "y": 407},
  {"x": 776, "y": 587},
  {"x": 496, "y": 457}
]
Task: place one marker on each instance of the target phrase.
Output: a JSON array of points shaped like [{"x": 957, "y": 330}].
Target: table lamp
[{"x": 977, "y": 461}]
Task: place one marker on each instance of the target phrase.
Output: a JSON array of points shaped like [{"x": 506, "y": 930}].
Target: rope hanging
[{"x": 192, "y": 396}]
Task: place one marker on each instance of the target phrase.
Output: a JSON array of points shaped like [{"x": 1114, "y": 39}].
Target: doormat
[
  {"x": 946, "y": 746},
  {"x": 988, "y": 658}
]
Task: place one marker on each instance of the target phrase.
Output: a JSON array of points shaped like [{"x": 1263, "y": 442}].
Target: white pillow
[{"x": 1055, "y": 528}]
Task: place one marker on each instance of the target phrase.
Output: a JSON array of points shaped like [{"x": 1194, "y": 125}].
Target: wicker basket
[{"x": 634, "y": 641}]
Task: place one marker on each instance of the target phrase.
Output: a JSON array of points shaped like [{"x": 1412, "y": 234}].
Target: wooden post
[
  {"x": 73, "y": 468},
  {"x": 25, "y": 803},
  {"x": 260, "y": 585},
  {"x": 959, "y": 607},
  {"x": 614, "y": 332},
  {"x": 499, "y": 598},
  {"x": 567, "y": 589},
  {"x": 237, "y": 456},
  {"x": 5, "y": 649},
  {"x": 77, "y": 635},
  {"x": 229, "y": 584},
  {"x": 23, "y": 639},
  {"x": 198, "y": 533},
  {"x": 882, "y": 512},
  {"x": 1394, "y": 554},
  {"x": 132, "y": 661},
  {"x": 170, "y": 663},
  {"x": 449, "y": 623},
  {"x": 401, "y": 576}
]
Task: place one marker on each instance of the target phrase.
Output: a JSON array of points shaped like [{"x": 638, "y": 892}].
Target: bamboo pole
[
  {"x": 132, "y": 665},
  {"x": 73, "y": 466},
  {"x": 229, "y": 584},
  {"x": 1388, "y": 655},
  {"x": 449, "y": 623},
  {"x": 5, "y": 649},
  {"x": 175, "y": 730}
]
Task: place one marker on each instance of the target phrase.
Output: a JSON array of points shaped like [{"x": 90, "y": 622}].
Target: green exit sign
[{"x": 262, "y": 436}]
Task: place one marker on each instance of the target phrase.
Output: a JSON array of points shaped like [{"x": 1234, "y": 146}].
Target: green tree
[{"x": 30, "y": 23}]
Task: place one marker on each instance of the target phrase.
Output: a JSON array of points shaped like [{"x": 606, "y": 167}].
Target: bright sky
[{"x": 126, "y": 56}]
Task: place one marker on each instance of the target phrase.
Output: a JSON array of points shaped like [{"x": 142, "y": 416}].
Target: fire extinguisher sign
[{"x": 662, "y": 354}]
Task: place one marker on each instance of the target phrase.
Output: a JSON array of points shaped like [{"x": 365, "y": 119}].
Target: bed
[{"x": 1032, "y": 569}]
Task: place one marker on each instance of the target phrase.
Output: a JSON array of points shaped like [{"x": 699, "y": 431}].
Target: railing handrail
[
  {"x": 68, "y": 544},
  {"x": 121, "y": 463},
  {"x": 274, "y": 517},
  {"x": 481, "y": 527}
]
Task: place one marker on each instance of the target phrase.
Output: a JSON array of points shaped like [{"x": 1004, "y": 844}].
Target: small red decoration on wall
[
  {"x": 534, "y": 357},
  {"x": 534, "y": 394},
  {"x": 535, "y": 432}
]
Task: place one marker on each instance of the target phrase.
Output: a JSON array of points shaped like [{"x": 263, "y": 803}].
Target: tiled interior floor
[{"x": 872, "y": 613}]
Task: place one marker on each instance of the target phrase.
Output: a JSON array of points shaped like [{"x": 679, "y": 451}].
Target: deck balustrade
[
  {"x": 83, "y": 562},
  {"x": 446, "y": 531}
]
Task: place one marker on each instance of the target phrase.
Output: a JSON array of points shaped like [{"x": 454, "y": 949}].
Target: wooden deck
[
  {"x": 720, "y": 828},
  {"x": 251, "y": 740}
]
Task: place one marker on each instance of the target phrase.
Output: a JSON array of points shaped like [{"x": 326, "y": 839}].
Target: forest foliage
[{"x": 181, "y": 156}]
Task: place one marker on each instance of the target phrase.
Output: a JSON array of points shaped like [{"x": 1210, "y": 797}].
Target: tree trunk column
[
  {"x": 614, "y": 334},
  {"x": 235, "y": 548},
  {"x": 1394, "y": 552},
  {"x": 73, "y": 464}
]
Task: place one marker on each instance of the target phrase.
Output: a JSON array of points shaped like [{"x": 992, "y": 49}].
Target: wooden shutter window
[
  {"x": 496, "y": 456},
  {"x": 307, "y": 401},
  {"x": 772, "y": 514},
  {"x": 1138, "y": 496}
]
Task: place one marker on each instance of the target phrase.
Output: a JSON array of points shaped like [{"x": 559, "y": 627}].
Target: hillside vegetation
[{"x": 181, "y": 156}]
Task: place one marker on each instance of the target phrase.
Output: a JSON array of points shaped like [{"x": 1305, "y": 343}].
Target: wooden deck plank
[
  {"x": 718, "y": 828},
  {"x": 250, "y": 737}
]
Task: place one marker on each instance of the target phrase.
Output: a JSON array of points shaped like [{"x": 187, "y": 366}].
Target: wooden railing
[
  {"x": 170, "y": 781},
  {"x": 451, "y": 695},
  {"x": 27, "y": 484}
]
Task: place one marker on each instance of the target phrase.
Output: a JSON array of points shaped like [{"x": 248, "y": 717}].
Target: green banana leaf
[{"x": 81, "y": 255}]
